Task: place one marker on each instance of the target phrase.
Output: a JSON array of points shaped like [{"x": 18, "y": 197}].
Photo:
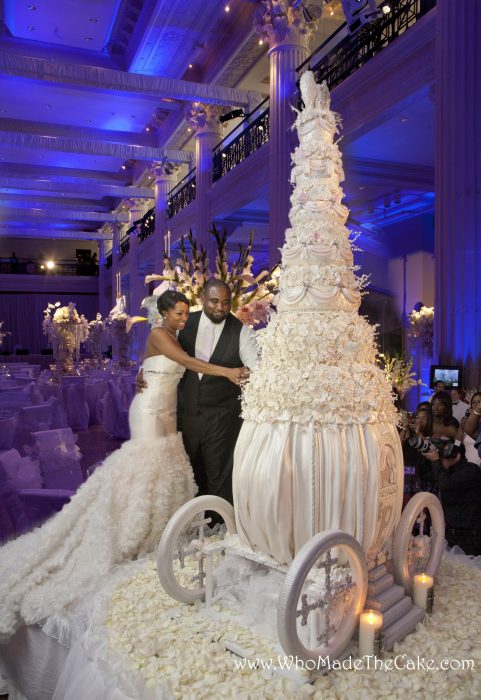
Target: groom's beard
[{"x": 217, "y": 318}]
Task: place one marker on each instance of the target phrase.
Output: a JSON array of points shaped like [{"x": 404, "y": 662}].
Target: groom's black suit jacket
[
  {"x": 209, "y": 410},
  {"x": 211, "y": 393}
]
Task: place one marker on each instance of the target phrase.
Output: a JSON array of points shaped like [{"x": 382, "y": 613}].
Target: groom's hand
[{"x": 140, "y": 383}]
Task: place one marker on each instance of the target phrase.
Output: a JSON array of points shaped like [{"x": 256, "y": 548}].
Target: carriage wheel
[
  {"x": 322, "y": 597},
  {"x": 180, "y": 562},
  {"x": 418, "y": 545}
]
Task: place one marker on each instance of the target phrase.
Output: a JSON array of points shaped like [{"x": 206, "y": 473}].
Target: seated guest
[
  {"x": 459, "y": 485},
  {"x": 415, "y": 435},
  {"x": 472, "y": 425},
  {"x": 459, "y": 406},
  {"x": 437, "y": 387},
  {"x": 445, "y": 427}
]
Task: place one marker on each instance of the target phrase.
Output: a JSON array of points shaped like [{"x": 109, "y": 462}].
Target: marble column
[
  {"x": 102, "y": 305},
  {"x": 288, "y": 36},
  {"x": 163, "y": 173},
  {"x": 457, "y": 317},
  {"x": 116, "y": 236},
  {"x": 136, "y": 293},
  {"x": 204, "y": 119}
]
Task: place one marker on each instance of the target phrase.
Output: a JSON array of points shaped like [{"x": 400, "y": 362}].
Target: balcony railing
[
  {"x": 146, "y": 225},
  {"x": 63, "y": 268},
  {"x": 124, "y": 245},
  {"x": 355, "y": 50},
  {"x": 233, "y": 150},
  {"x": 181, "y": 195}
]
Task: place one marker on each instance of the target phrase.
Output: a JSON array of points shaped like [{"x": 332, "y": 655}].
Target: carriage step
[
  {"x": 376, "y": 573},
  {"x": 397, "y": 611},
  {"x": 381, "y": 584},
  {"x": 399, "y": 629},
  {"x": 386, "y": 599}
]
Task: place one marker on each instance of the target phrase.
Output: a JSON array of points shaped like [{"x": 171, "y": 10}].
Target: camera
[
  {"x": 448, "y": 449},
  {"x": 419, "y": 443}
]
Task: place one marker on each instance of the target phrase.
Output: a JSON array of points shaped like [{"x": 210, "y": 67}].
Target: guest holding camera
[
  {"x": 415, "y": 438},
  {"x": 459, "y": 485}
]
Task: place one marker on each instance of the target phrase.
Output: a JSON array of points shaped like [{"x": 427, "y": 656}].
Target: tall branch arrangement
[{"x": 252, "y": 296}]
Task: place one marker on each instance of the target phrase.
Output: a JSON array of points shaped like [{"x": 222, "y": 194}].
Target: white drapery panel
[
  {"x": 22, "y": 314},
  {"x": 113, "y": 80}
]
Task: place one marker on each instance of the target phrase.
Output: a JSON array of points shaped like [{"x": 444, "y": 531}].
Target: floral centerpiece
[
  {"x": 252, "y": 296},
  {"x": 65, "y": 331},
  {"x": 97, "y": 333},
  {"x": 421, "y": 324},
  {"x": 399, "y": 372}
]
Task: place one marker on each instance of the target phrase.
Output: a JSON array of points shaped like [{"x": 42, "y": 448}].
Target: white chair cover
[
  {"x": 7, "y": 431},
  {"x": 59, "y": 458},
  {"x": 20, "y": 472},
  {"x": 115, "y": 413},
  {"x": 75, "y": 403},
  {"x": 95, "y": 389},
  {"x": 30, "y": 420}
]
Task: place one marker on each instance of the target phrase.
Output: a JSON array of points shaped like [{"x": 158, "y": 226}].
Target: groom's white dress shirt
[{"x": 208, "y": 334}]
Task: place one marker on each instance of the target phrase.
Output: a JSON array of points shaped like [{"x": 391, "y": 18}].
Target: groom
[{"x": 209, "y": 407}]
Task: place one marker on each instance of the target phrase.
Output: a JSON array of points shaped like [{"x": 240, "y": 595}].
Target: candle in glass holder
[
  {"x": 370, "y": 633},
  {"x": 423, "y": 591}
]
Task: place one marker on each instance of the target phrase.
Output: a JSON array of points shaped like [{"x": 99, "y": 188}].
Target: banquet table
[
  {"x": 10, "y": 386},
  {"x": 43, "y": 360}
]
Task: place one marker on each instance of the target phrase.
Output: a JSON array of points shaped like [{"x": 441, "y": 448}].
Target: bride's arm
[{"x": 163, "y": 344}]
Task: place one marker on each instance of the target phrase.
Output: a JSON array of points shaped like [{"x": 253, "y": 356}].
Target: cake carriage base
[{"x": 326, "y": 586}]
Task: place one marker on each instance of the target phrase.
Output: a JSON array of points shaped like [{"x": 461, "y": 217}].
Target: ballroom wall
[{"x": 23, "y": 299}]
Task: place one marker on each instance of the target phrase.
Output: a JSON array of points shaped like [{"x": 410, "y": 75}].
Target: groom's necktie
[{"x": 205, "y": 347}]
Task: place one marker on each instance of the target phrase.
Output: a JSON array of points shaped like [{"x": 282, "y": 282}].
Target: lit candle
[
  {"x": 423, "y": 591},
  {"x": 370, "y": 633}
]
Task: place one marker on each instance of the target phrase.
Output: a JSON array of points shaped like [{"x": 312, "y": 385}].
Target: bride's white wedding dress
[{"x": 119, "y": 513}]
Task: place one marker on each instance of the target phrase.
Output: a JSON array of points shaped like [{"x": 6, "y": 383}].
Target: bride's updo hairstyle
[{"x": 169, "y": 299}]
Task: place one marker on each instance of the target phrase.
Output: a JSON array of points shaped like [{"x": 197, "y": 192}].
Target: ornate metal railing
[
  {"x": 355, "y": 50},
  {"x": 146, "y": 225},
  {"x": 253, "y": 134},
  {"x": 108, "y": 261},
  {"x": 125, "y": 243},
  {"x": 64, "y": 268},
  {"x": 181, "y": 195}
]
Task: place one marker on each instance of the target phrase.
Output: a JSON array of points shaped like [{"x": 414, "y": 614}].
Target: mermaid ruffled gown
[{"x": 119, "y": 513}]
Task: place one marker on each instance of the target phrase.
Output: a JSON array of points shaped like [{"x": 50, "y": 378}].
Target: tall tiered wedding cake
[{"x": 319, "y": 449}]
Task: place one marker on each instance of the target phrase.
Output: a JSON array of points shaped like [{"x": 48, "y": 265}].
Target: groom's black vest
[{"x": 211, "y": 392}]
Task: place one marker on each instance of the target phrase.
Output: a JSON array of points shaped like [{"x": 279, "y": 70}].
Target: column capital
[
  {"x": 283, "y": 23},
  {"x": 203, "y": 118},
  {"x": 136, "y": 204},
  {"x": 162, "y": 169}
]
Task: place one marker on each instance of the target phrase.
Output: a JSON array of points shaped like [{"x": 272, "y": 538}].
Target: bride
[{"x": 122, "y": 509}]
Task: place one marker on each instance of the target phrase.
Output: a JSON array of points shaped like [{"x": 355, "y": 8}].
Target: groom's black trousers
[{"x": 209, "y": 439}]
